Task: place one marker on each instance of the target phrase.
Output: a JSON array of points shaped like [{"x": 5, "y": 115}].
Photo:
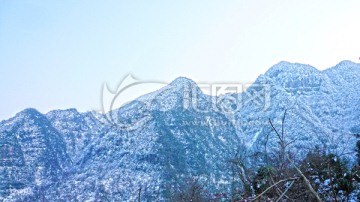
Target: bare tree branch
[
  {"x": 286, "y": 190},
  {"x": 266, "y": 190},
  {"x": 283, "y": 146},
  {"x": 139, "y": 193},
  {"x": 306, "y": 181},
  {"x": 282, "y": 125},
  {"x": 277, "y": 133}
]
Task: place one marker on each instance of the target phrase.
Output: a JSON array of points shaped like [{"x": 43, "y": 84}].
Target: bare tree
[{"x": 284, "y": 157}]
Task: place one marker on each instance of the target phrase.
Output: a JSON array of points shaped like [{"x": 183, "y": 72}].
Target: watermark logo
[
  {"x": 115, "y": 101},
  {"x": 129, "y": 106}
]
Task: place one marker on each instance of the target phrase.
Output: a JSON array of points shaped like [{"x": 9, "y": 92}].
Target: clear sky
[{"x": 58, "y": 54}]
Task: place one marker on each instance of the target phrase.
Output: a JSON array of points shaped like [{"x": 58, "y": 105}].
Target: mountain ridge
[{"x": 157, "y": 141}]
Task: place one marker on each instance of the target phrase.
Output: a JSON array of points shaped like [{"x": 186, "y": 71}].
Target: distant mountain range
[{"x": 161, "y": 140}]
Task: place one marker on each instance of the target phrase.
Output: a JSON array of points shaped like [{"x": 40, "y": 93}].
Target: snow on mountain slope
[
  {"x": 345, "y": 78},
  {"x": 322, "y": 107},
  {"x": 173, "y": 145},
  {"x": 162, "y": 139},
  {"x": 33, "y": 153},
  {"x": 77, "y": 129}
]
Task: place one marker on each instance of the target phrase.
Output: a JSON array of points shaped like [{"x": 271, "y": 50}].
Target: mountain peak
[
  {"x": 182, "y": 81},
  {"x": 63, "y": 111},
  {"x": 345, "y": 67},
  {"x": 346, "y": 63},
  {"x": 345, "y": 70},
  {"x": 29, "y": 112},
  {"x": 171, "y": 95},
  {"x": 286, "y": 68}
]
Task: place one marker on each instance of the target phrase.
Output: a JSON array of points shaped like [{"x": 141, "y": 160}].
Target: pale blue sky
[{"x": 57, "y": 54}]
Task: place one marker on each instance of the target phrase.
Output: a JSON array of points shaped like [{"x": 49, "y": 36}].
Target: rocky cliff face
[
  {"x": 33, "y": 153},
  {"x": 322, "y": 107},
  {"x": 160, "y": 140}
]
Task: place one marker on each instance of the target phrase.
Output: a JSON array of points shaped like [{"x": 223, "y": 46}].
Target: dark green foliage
[
  {"x": 263, "y": 178},
  {"x": 329, "y": 174},
  {"x": 191, "y": 190},
  {"x": 321, "y": 176},
  {"x": 358, "y": 152}
]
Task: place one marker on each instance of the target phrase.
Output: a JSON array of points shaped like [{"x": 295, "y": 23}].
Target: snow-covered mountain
[
  {"x": 322, "y": 107},
  {"x": 33, "y": 153},
  {"x": 160, "y": 140}
]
